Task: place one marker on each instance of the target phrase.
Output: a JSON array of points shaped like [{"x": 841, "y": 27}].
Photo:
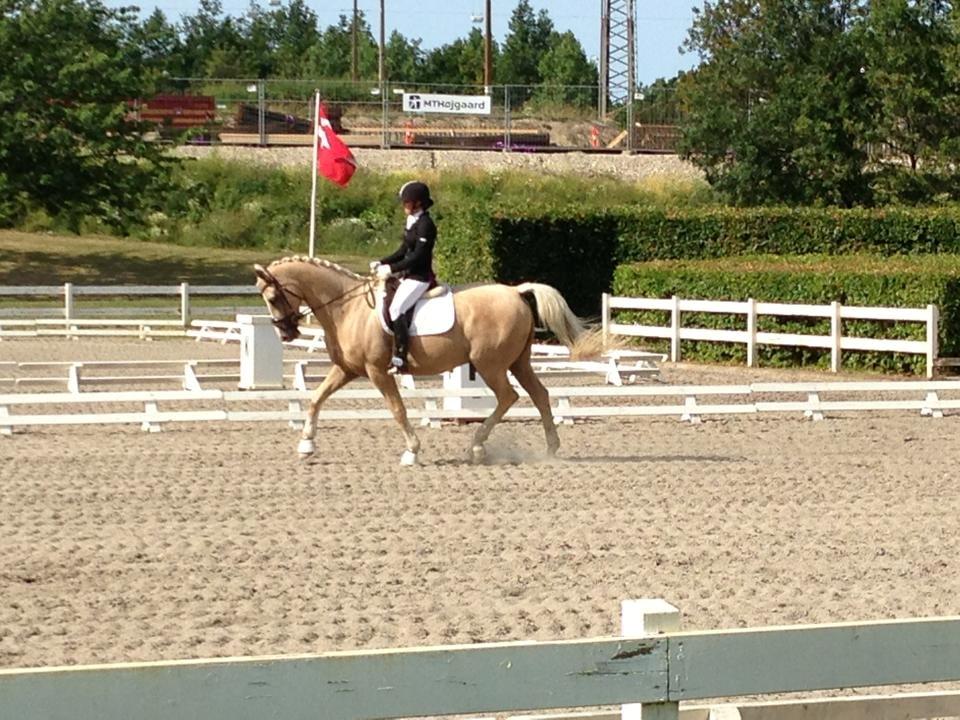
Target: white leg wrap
[
  {"x": 408, "y": 458},
  {"x": 305, "y": 447}
]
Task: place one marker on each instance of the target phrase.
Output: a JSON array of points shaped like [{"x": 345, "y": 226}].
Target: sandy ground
[{"x": 212, "y": 540}]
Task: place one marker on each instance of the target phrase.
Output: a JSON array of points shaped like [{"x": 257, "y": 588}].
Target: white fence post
[
  {"x": 836, "y": 328},
  {"x": 640, "y": 618},
  {"x": 933, "y": 330},
  {"x": 73, "y": 377},
  {"x": 185, "y": 304},
  {"x": 68, "y": 311},
  {"x": 605, "y": 317},
  {"x": 4, "y": 428},
  {"x": 675, "y": 330},
  {"x": 751, "y": 332}
]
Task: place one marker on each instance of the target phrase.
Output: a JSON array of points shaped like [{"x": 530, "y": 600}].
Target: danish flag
[{"x": 334, "y": 159}]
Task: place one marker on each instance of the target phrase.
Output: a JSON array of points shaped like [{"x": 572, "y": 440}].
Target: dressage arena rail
[
  {"x": 836, "y": 341},
  {"x": 648, "y": 670},
  {"x": 23, "y": 321},
  {"x": 926, "y": 400}
]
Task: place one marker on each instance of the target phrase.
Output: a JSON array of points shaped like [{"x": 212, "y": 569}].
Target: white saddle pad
[{"x": 430, "y": 317}]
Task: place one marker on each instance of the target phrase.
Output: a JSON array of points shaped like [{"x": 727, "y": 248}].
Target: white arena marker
[{"x": 639, "y": 618}]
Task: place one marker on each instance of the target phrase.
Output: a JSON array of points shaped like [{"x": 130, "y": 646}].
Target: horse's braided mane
[{"x": 319, "y": 262}]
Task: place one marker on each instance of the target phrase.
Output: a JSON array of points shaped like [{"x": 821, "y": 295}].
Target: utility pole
[
  {"x": 618, "y": 52},
  {"x": 382, "y": 76},
  {"x": 354, "y": 48},
  {"x": 381, "y": 73},
  {"x": 487, "y": 49}
]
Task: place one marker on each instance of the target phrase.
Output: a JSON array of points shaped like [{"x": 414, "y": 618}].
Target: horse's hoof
[
  {"x": 477, "y": 454},
  {"x": 305, "y": 448},
  {"x": 408, "y": 459}
]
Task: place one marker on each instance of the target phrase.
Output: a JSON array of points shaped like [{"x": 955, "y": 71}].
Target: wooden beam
[
  {"x": 803, "y": 658},
  {"x": 373, "y": 684},
  {"x": 617, "y": 140}
]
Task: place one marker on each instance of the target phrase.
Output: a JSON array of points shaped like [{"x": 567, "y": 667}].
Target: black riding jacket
[{"x": 414, "y": 258}]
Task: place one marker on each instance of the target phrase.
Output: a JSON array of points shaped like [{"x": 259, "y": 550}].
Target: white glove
[
  {"x": 374, "y": 264},
  {"x": 383, "y": 271}
]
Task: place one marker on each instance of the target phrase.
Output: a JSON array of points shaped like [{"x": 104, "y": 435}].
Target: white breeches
[{"x": 406, "y": 296}]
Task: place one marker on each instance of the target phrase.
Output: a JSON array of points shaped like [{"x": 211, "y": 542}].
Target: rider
[{"x": 412, "y": 263}]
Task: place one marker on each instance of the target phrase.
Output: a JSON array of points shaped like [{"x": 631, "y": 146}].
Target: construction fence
[{"x": 514, "y": 118}]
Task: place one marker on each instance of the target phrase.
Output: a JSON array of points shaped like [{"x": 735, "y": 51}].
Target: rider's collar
[{"x": 412, "y": 218}]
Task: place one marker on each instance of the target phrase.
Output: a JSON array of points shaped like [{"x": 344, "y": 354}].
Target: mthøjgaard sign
[{"x": 461, "y": 104}]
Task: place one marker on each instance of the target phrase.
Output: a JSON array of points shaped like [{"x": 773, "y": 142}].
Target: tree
[
  {"x": 331, "y": 56},
  {"x": 907, "y": 47},
  {"x": 780, "y": 108},
  {"x": 296, "y": 33},
  {"x": 404, "y": 58},
  {"x": 159, "y": 44},
  {"x": 67, "y": 144},
  {"x": 568, "y": 77},
  {"x": 442, "y": 64},
  {"x": 527, "y": 41}
]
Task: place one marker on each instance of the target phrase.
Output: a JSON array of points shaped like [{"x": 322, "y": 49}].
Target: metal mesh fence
[{"x": 539, "y": 118}]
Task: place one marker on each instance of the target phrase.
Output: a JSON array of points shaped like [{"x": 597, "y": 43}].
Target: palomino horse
[{"x": 493, "y": 330}]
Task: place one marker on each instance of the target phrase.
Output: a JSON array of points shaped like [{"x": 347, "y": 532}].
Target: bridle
[{"x": 288, "y": 323}]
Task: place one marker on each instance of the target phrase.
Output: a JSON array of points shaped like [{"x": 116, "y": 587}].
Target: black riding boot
[{"x": 401, "y": 340}]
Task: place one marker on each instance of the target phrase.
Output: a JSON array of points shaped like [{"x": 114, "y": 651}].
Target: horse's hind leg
[
  {"x": 506, "y": 397},
  {"x": 529, "y": 381},
  {"x": 388, "y": 387},
  {"x": 335, "y": 379}
]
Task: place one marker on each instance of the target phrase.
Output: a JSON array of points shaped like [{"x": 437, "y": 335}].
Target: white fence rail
[
  {"x": 836, "y": 342},
  {"x": 650, "y": 664},
  {"x": 37, "y": 409},
  {"x": 23, "y": 320}
]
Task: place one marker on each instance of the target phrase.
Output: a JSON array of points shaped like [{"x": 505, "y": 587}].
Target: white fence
[
  {"x": 22, "y": 410},
  {"x": 650, "y": 668},
  {"x": 71, "y": 315},
  {"x": 836, "y": 342}
]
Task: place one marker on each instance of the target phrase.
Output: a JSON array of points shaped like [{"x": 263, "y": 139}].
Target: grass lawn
[{"x": 46, "y": 259}]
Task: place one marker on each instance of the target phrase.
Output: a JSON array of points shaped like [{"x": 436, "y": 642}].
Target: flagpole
[{"x": 313, "y": 175}]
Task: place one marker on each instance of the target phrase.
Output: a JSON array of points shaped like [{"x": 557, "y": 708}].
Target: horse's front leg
[
  {"x": 388, "y": 387},
  {"x": 335, "y": 379}
]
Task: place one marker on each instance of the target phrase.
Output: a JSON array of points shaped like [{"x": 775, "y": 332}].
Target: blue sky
[{"x": 661, "y": 26}]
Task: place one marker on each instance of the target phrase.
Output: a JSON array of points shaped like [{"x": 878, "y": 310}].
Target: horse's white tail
[{"x": 554, "y": 313}]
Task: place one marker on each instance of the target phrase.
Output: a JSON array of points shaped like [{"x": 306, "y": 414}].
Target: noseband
[{"x": 288, "y": 323}]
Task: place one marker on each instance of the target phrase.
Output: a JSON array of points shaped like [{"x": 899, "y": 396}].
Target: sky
[{"x": 661, "y": 26}]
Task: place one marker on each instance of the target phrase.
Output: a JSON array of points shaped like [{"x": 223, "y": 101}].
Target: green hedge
[
  {"x": 851, "y": 280},
  {"x": 576, "y": 247},
  {"x": 721, "y": 232}
]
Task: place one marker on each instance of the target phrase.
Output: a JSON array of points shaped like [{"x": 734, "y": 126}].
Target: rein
[{"x": 289, "y": 321}]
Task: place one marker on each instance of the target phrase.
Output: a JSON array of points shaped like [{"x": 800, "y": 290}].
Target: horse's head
[{"x": 283, "y": 301}]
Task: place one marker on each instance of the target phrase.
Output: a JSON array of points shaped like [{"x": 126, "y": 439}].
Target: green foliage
[
  {"x": 67, "y": 146},
  {"x": 828, "y": 102},
  {"x": 819, "y": 280},
  {"x": 558, "y": 230},
  {"x": 570, "y": 76},
  {"x": 575, "y": 244},
  {"x": 527, "y": 41},
  {"x": 230, "y": 204},
  {"x": 719, "y": 232}
]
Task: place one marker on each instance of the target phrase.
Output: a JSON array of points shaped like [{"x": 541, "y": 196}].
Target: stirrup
[{"x": 397, "y": 366}]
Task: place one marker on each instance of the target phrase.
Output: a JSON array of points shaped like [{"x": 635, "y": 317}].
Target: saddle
[{"x": 437, "y": 323}]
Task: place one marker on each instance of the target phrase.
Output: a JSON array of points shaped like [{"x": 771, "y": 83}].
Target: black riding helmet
[{"x": 415, "y": 191}]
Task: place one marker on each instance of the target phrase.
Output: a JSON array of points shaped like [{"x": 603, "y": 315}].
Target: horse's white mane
[{"x": 319, "y": 262}]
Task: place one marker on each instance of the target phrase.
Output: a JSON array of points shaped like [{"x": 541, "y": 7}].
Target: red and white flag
[{"x": 334, "y": 159}]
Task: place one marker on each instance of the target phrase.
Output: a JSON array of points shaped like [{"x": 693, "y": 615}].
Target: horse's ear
[{"x": 261, "y": 272}]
